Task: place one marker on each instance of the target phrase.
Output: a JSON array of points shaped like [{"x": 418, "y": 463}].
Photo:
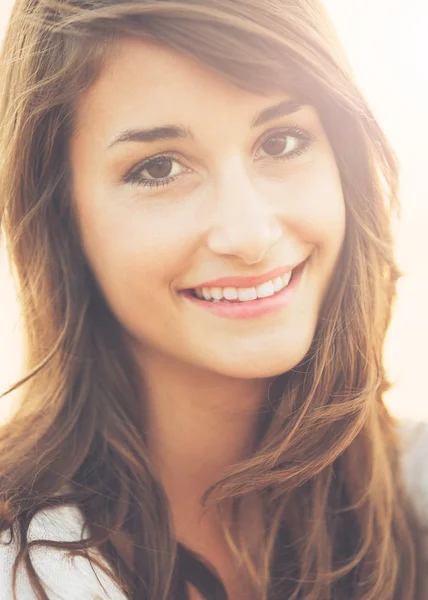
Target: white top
[{"x": 68, "y": 578}]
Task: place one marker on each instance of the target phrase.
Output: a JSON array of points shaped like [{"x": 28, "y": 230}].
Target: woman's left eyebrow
[
  {"x": 282, "y": 109},
  {"x": 173, "y": 132}
]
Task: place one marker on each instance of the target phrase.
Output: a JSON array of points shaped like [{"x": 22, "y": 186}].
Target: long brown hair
[{"x": 326, "y": 460}]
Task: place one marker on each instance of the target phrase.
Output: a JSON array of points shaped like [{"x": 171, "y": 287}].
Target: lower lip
[{"x": 253, "y": 308}]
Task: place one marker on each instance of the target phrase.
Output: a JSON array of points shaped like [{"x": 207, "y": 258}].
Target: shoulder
[
  {"x": 413, "y": 438},
  {"x": 64, "y": 577},
  {"x": 67, "y": 578}
]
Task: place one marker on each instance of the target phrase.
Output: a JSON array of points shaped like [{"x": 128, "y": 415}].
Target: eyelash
[{"x": 134, "y": 175}]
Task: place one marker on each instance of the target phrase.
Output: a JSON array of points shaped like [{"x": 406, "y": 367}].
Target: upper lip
[{"x": 248, "y": 282}]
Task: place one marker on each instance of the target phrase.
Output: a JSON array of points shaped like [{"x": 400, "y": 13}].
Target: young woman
[{"x": 197, "y": 204}]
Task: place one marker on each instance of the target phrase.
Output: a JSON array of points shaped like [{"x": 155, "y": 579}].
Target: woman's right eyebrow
[
  {"x": 153, "y": 134},
  {"x": 173, "y": 132}
]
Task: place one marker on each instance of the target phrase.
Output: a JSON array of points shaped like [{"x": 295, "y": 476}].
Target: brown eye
[
  {"x": 155, "y": 172},
  {"x": 275, "y": 145},
  {"x": 159, "y": 168},
  {"x": 285, "y": 144}
]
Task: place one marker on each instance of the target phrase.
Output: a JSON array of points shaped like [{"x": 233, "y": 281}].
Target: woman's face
[{"x": 181, "y": 178}]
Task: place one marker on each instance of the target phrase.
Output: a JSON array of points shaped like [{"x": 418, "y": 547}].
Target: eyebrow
[
  {"x": 284, "y": 108},
  {"x": 173, "y": 132}
]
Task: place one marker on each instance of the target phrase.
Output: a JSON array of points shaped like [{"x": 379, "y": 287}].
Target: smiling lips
[
  {"x": 252, "y": 306},
  {"x": 248, "y": 282},
  {"x": 244, "y": 289},
  {"x": 233, "y": 294}
]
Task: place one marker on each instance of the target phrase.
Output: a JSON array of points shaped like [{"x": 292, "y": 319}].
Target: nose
[{"x": 244, "y": 224}]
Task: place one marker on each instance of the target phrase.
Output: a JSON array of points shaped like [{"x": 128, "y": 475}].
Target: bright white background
[{"x": 387, "y": 42}]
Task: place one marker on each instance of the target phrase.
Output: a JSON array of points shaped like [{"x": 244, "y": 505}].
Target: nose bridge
[{"x": 244, "y": 220}]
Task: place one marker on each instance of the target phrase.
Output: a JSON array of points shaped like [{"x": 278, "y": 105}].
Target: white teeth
[
  {"x": 278, "y": 283},
  {"x": 216, "y": 293},
  {"x": 286, "y": 278},
  {"x": 244, "y": 294},
  {"x": 265, "y": 290},
  {"x": 230, "y": 293}
]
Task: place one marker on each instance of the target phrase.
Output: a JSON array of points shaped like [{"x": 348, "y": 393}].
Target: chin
[{"x": 261, "y": 364}]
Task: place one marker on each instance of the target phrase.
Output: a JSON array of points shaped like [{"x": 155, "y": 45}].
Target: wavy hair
[{"x": 325, "y": 463}]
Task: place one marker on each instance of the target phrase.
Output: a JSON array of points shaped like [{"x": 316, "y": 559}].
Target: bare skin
[{"x": 239, "y": 199}]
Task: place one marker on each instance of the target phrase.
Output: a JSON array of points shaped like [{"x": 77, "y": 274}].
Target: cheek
[
  {"x": 132, "y": 250},
  {"x": 319, "y": 214}
]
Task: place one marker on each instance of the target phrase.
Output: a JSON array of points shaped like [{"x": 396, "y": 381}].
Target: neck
[{"x": 198, "y": 425}]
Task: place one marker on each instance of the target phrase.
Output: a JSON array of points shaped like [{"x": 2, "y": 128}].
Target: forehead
[{"x": 144, "y": 78}]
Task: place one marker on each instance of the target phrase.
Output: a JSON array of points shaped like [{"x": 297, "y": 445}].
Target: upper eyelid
[
  {"x": 308, "y": 134},
  {"x": 141, "y": 165}
]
